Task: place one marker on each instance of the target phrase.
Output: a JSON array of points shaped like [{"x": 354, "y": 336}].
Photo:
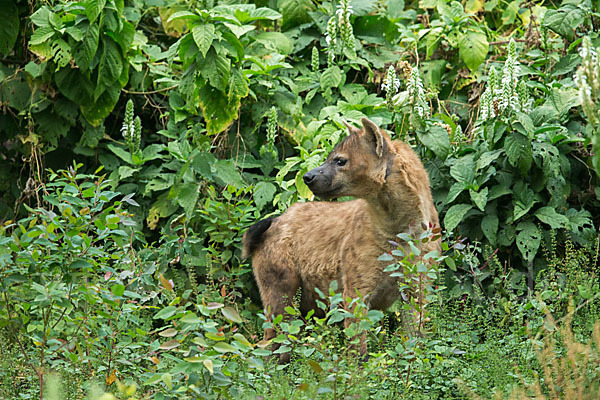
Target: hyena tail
[{"x": 254, "y": 236}]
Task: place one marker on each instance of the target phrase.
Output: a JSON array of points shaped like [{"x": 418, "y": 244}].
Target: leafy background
[{"x": 235, "y": 103}]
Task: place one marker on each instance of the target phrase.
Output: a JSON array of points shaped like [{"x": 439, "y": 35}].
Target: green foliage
[
  {"x": 68, "y": 270},
  {"x": 208, "y": 113}
]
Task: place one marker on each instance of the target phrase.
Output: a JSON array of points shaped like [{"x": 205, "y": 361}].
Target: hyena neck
[{"x": 401, "y": 205}]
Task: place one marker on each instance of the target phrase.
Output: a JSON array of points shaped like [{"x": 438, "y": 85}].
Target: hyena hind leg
[{"x": 278, "y": 285}]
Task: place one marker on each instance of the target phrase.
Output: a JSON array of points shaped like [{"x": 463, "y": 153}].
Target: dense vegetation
[{"x": 140, "y": 138}]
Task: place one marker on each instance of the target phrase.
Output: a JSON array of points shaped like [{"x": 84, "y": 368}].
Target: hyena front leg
[
  {"x": 352, "y": 290},
  {"x": 278, "y": 285}
]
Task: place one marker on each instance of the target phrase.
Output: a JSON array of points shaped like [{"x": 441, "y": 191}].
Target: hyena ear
[
  {"x": 352, "y": 129},
  {"x": 375, "y": 136}
]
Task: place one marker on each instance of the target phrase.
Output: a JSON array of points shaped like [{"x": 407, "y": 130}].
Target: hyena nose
[{"x": 309, "y": 177}]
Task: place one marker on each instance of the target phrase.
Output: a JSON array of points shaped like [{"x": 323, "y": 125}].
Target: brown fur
[{"x": 314, "y": 243}]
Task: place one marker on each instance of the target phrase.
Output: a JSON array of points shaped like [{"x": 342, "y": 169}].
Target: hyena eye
[{"x": 340, "y": 162}]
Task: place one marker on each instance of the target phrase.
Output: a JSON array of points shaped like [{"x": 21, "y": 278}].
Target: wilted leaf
[
  {"x": 171, "y": 344},
  {"x": 231, "y": 314}
]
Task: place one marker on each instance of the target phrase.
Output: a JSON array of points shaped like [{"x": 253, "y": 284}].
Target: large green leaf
[
  {"x": 564, "y": 21},
  {"x": 436, "y": 139},
  {"x": 479, "y": 198},
  {"x": 93, "y": 8},
  {"x": 85, "y": 52},
  {"x": 489, "y": 226},
  {"x": 111, "y": 63},
  {"x": 455, "y": 215},
  {"x": 238, "y": 85},
  {"x": 95, "y": 112},
  {"x": 276, "y": 41},
  {"x": 203, "y": 36},
  {"x": 523, "y": 200},
  {"x": 227, "y": 173},
  {"x": 519, "y": 151},
  {"x": 528, "y": 240},
  {"x": 216, "y": 69},
  {"x": 9, "y": 29},
  {"x": 331, "y": 77},
  {"x": 74, "y": 85},
  {"x": 463, "y": 170},
  {"x": 473, "y": 49},
  {"x": 295, "y": 12},
  {"x": 41, "y": 35},
  {"x": 218, "y": 110},
  {"x": 548, "y": 215},
  {"x": 187, "y": 196},
  {"x": 263, "y": 193}
]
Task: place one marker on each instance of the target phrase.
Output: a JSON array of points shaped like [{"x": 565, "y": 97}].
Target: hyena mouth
[{"x": 327, "y": 194}]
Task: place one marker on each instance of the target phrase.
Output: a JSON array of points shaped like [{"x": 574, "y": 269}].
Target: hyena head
[{"x": 357, "y": 166}]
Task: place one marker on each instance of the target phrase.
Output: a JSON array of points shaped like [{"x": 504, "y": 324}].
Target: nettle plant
[
  {"x": 519, "y": 175},
  {"x": 516, "y": 176}
]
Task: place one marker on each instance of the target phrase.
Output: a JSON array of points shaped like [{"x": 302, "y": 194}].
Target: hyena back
[{"x": 315, "y": 243}]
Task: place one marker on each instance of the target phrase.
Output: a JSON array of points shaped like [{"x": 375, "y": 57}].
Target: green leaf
[
  {"x": 117, "y": 289},
  {"x": 120, "y": 152},
  {"x": 566, "y": 64},
  {"x": 190, "y": 318},
  {"x": 263, "y": 194},
  {"x": 165, "y": 313},
  {"x": 479, "y": 198},
  {"x": 489, "y": 227},
  {"x": 295, "y": 12},
  {"x": 231, "y": 314},
  {"x": 41, "y": 35},
  {"x": 215, "y": 68},
  {"x": 97, "y": 111},
  {"x": 74, "y": 85},
  {"x": 331, "y": 77},
  {"x": 523, "y": 200},
  {"x": 455, "y": 215},
  {"x": 223, "y": 347},
  {"x": 473, "y": 49},
  {"x": 563, "y": 100},
  {"x": 203, "y": 36},
  {"x": 93, "y": 8},
  {"x": 565, "y": 20},
  {"x": 519, "y": 151},
  {"x": 111, "y": 63},
  {"x": 168, "y": 345},
  {"x": 528, "y": 240},
  {"x": 526, "y": 122},
  {"x": 487, "y": 158},
  {"x": 81, "y": 264},
  {"x": 303, "y": 190},
  {"x": 209, "y": 366},
  {"x": 39, "y": 18},
  {"x": 9, "y": 29},
  {"x": 85, "y": 52},
  {"x": 548, "y": 215},
  {"x": 276, "y": 41},
  {"x": 227, "y": 174},
  {"x": 187, "y": 196},
  {"x": 510, "y": 12},
  {"x": 435, "y": 139},
  {"x": 238, "y": 85},
  {"x": 456, "y": 189},
  {"x": 263, "y": 13},
  {"x": 218, "y": 110},
  {"x": 463, "y": 170}
]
